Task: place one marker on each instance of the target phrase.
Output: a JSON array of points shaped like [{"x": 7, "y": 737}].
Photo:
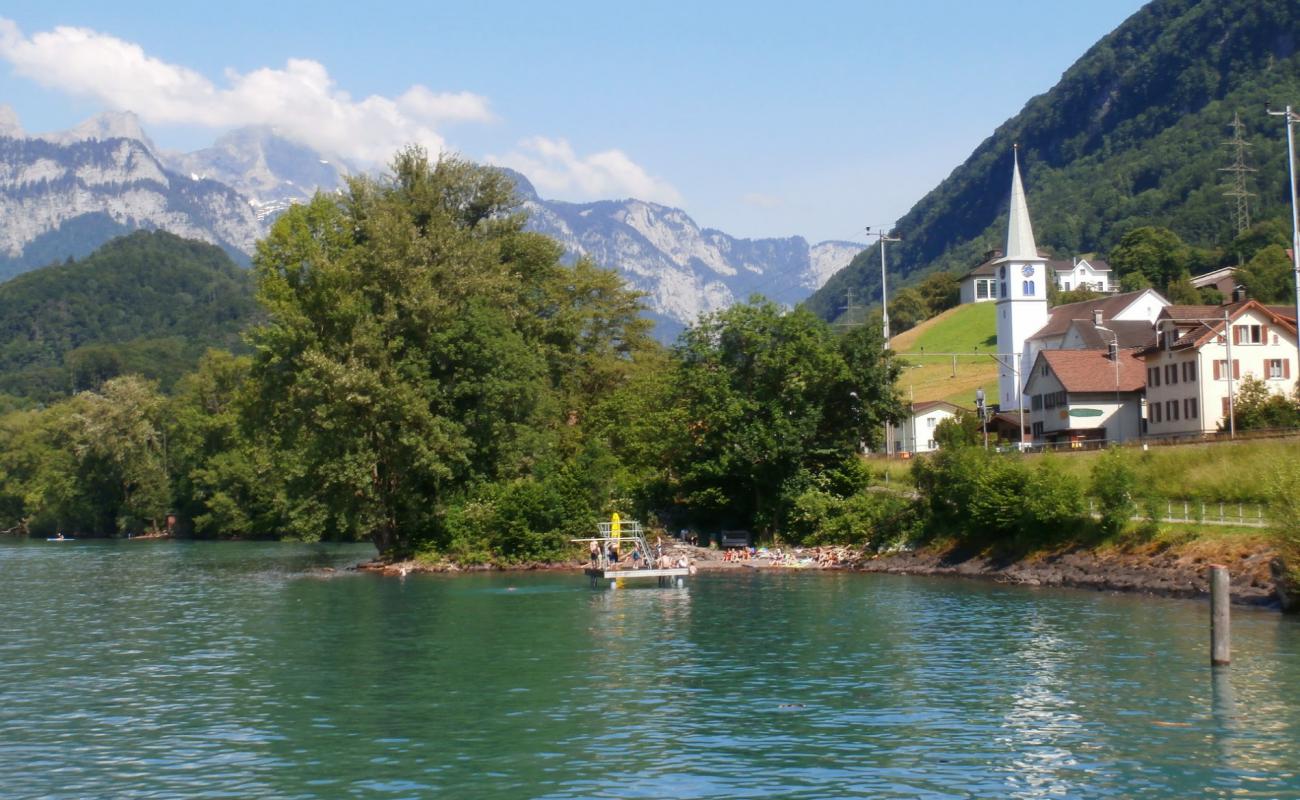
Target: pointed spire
[{"x": 1020, "y": 233}]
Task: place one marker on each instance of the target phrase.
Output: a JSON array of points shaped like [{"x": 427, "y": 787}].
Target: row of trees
[{"x": 432, "y": 377}]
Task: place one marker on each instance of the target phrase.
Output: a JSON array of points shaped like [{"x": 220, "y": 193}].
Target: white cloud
[
  {"x": 760, "y": 200},
  {"x": 558, "y": 172},
  {"x": 300, "y": 100}
]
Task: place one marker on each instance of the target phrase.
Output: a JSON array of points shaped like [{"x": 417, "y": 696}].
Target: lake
[{"x": 247, "y": 670}]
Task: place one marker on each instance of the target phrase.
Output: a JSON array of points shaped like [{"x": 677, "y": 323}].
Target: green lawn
[
  {"x": 1228, "y": 472},
  {"x": 970, "y": 328}
]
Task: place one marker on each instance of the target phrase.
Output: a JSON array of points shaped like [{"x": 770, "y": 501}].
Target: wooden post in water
[{"x": 1220, "y": 637}]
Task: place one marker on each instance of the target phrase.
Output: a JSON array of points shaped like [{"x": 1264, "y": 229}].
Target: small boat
[{"x": 60, "y": 538}]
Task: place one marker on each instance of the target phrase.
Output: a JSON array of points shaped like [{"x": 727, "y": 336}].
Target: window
[
  {"x": 1036, "y": 403},
  {"x": 930, "y": 445},
  {"x": 981, "y": 290},
  {"x": 1155, "y": 412},
  {"x": 898, "y": 445},
  {"x": 1003, "y": 287},
  {"x": 1277, "y": 368},
  {"x": 1249, "y": 334},
  {"x": 1154, "y": 378},
  {"x": 1221, "y": 369},
  {"x": 1189, "y": 371},
  {"x": 929, "y": 422},
  {"x": 1065, "y": 286},
  {"x": 1038, "y": 430},
  {"x": 1029, "y": 290},
  {"x": 1173, "y": 411},
  {"x": 1171, "y": 373},
  {"x": 1189, "y": 408}
]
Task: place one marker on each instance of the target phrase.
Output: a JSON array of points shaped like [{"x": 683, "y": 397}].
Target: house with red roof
[
  {"x": 1202, "y": 353},
  {"x": 1078, "y": 396}
]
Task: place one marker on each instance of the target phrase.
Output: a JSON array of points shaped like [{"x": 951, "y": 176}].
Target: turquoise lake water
[{"x": 242, "y": 670}]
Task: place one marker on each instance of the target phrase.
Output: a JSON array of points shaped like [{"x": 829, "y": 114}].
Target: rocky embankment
[
  {"x": 1157, "y": 569},
  {"x": 1169, "y": 571}
]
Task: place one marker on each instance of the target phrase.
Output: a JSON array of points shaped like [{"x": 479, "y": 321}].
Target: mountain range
[
  {"x": 63, "y": 194},
  {"x": 1132, "y": 135}
]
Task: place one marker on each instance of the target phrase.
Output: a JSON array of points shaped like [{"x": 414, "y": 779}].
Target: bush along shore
[{"x": 1037, "y": 521}]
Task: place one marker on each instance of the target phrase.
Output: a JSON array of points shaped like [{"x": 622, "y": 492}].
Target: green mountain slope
[
  {"x": 1132, "y": 135},
  {"x": 148, "y": 303}
]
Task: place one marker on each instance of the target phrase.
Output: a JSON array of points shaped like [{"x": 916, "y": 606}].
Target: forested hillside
[
  {"x": 1131, "y": 136},
  {"x": 149, "y": 303}
]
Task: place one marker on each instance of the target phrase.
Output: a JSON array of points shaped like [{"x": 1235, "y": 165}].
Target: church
[{"x": 1095, "y": 390}]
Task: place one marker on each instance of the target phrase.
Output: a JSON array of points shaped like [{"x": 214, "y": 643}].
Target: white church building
[{"x": 1022, "y": 277}]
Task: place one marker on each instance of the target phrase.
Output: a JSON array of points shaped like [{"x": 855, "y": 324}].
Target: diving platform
[
  {"x": 618, "y": 545},
  {"x": 620, "y": 574}
]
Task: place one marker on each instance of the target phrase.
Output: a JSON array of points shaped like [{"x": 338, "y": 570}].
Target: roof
[
  {"x": 1093, "y": 371},
  {"x": 1129, "y": 333},
  {"x": 1062, "y": 266},
  {"x": 1020, "y": 231},
  {"x": 1211, "y": 278},
  {"x": 929, "y": 405},
  {"x": 1060, "y": 317},
  {"x": 1209, "y": 321}
]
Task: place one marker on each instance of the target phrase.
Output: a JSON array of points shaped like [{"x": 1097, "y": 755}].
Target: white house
[
  {"x": 915, "y": 432},
  {"x": 1079, "y": 396},
  {"x": 1194, "y": 366},
  {"x": 1081, "y": 273}
]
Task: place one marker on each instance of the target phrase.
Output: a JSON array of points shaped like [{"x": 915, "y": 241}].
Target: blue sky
[{"x": 757, "y": 118}]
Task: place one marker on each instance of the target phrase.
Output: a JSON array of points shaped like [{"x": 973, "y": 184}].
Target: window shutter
[
  {"x": 1236, "y": 369},
  {"x": 1236, "y": 334},
  {"x": 1218, "y": 370},
  {"x": 1286, "y": 368},
  {"x": 1263, "y": 334}
]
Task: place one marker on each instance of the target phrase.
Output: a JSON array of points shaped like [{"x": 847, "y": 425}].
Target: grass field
[
  {"x": 970, "y": 328},
  {"x": 1220, "y": 472}
]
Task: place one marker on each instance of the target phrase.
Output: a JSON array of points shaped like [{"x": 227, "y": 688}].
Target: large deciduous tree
[
  {"x": 766, "y": 397},
  {"x": 420, "y": 342}
]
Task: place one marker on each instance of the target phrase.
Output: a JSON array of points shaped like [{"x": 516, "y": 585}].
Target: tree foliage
[{"x": 768, "y": 397}]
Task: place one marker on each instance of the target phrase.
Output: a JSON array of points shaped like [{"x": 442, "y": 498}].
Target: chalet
[
  {"x": 1079, "y": 396},
  {"x": 1200, "y": 355},
  {"x": 915, "y": 432}
]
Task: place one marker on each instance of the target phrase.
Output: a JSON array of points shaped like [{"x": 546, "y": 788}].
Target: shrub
[
  {"x": 1113, "y": 484},
  {"x": 1053, "y": 502},
  {"x": 874, "y": 519}
]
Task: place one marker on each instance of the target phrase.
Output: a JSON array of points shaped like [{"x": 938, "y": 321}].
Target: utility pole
[
  {"x": 1291, "y": 118},
  {"x": 884, "y": 280},
  {"x": 1238, "y": 170}
]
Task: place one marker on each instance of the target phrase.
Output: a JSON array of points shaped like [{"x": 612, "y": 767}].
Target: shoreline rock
[{"x": 1166, "y": 571}]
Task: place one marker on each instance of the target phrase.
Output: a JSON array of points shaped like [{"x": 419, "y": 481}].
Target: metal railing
[{"x": 1200, "y": 512}]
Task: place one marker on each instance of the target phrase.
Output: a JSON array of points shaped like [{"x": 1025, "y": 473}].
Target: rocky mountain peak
[{"x": 103, "y": 127}]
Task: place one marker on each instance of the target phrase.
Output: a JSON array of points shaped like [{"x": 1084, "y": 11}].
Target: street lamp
[
  {"x": 1291, "y": 119},
  {"x": 1115, "y": 355}
]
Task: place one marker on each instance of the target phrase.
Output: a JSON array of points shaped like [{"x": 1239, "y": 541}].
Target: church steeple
[
  {"x": 1023, "y": 277},
  {"x": 1020, "y": 232}
]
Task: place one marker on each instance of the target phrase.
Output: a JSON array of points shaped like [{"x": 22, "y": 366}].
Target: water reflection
[{"x": 225, "y": 670}]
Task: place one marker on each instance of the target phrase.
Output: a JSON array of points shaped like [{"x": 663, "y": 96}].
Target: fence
[{"x": 1249, "y": 515}]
